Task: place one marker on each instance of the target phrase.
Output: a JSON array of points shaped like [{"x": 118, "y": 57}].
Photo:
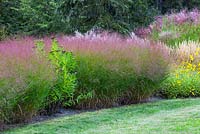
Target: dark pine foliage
[{"x": 42, "y": 17}]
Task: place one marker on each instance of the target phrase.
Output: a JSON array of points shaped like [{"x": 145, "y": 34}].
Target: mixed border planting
[
  {"x": 90, "y": 71},
  {"x": 100, "y": 69}
]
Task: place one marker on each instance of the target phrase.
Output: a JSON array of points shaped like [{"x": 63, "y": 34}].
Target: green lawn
[{"x": 170, "y": 116}]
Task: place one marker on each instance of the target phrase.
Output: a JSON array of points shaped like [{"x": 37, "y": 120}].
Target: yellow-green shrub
[{"x": 184, "y": 80}]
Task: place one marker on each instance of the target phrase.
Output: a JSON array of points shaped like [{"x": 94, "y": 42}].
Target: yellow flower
[
  {"x": 177, "y": 75},
  {"x": 178, "y": 82},
  {"x": 191, "y": 57},
  {"x": 194, "y": 68},
  {"x": 189, "y": 66},
  {"x": 198, "y": 49},
  {"x": 193, "y": 93},
  {"x": 196, "y": 53}
]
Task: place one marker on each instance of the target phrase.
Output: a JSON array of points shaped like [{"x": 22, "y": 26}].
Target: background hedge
[{"x": 36, "y": 17}]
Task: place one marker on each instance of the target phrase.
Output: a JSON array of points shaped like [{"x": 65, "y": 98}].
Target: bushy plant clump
[
  {"x": 112, "y": 70},
  {"x": 184, "y": 80},
  {"x": 33, "y": 80},
  {"x": 36, "y": 17},
  {"x": 182, "y": 83},
  {"x": 181, "y": 32},
  {"x": 31, "y": 17},
  {"x": 119, "y": 16},
  {"x": 62, "y": 93},
  {"x": 25, "y": 83}
]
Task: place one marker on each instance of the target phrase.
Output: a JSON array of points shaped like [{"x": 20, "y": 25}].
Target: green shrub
[
  {"x": 10, "y": 16},
  {"x": 40, "y": 17},
  {"x": 120, "y": 16},
  {"x": 31, "y": 17},
  {"x": 165, "y": 6},
  {"x": 181, "y": 84},
  {"x": 3, "y": 33},
  {"x": 62, "y": 93},
  {"x": 36, "y": 17},
  {"x": 184, "y": 79}
]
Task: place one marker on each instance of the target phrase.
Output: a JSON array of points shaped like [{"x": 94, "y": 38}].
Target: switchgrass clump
[{"x": 25, "y": 81}]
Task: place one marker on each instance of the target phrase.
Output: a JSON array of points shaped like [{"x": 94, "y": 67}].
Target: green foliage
[
  {"x": 62, "y": 93},
  {"x": 121, "y": 16},
  {"x": 184, "y": 81},
  {"x": 173, "y": 34},
  {"x": 3, "y": 33},
  {"x": 31, "y": 17},
  {"x": 40, "y": 17},
  {"x": 185, "y": 32},
  {"x": 165, "y": 6},
  {"x": 169, "y": 5},
  {"x": 36, "y": 17},
  {"x": 65, "y": 65},
  {"x": 181, "y": 84},
  {"x": 36, "y": 84},
  {"x": 192, "y": 4},
  {"x": 10, "y": 16}
]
